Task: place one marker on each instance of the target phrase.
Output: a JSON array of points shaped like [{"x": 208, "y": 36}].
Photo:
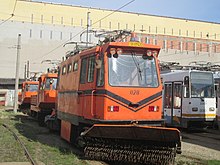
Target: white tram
[
  {"x": 189, "y": 98},
  {"x": 217, "y": 88}
]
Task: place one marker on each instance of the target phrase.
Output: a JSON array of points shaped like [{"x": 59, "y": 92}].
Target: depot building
[{"x": 46, "y": 27}]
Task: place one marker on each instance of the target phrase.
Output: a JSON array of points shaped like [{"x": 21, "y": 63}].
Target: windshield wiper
[{"x": 134, "y": 57}]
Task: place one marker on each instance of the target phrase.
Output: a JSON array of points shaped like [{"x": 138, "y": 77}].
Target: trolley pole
[
  {"x": 17, "y": 74},
  {"x": 87, "y": 30}
]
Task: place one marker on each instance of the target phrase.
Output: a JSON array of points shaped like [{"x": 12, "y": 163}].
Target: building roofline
[{"x": 185, "y": 19}]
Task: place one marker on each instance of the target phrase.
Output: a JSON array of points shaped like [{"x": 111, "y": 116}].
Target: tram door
[
  {"x": 87, "y": 86},
  {"x": 173, "y": 103}
]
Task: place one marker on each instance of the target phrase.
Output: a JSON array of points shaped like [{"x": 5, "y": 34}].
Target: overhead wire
[
  {"x": 65, "y": 22},
  {"x": 101, "y": 19},
  {"x": 6, "y": 20},
  {"x": 46, "y": 54},
  {"x": 94, "y": 24},
  {"x": 11, "y": 15}
]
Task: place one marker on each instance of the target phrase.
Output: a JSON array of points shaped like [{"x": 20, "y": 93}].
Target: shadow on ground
[
  {"x": 209, "y": 137},
  {"x": 28, "y": 127}
]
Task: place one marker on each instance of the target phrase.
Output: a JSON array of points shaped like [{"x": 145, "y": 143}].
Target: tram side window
[
  {"x": 69, "y": 68},
  {"x": 64, "y": 70},
  {"x": 41, "y": 85},
  {"x": 186, "y": 87},
  {"x": 167, "y": 95},
  {"x": 91, "y": 69},
  {"x": 26, "y": 87},
  {"x": 75, "y": 66},
  {"x": 177, "y": 95},
  {"x": 83, "y": 71},
  {"x": 100, "y": 75},
  {"x": 58, "y": 72},
  {"x": 47, "y": 84},
  {"x": 218, "y": 89}
]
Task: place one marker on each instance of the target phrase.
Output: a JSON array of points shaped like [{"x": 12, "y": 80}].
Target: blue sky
[{"x": 191, "y": 9}]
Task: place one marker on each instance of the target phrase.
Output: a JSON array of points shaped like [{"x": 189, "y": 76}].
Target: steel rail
[{"x": 27, "y": 154}]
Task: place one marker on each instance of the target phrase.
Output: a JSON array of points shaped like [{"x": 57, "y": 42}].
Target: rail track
[{"x": 27, "y": 154}]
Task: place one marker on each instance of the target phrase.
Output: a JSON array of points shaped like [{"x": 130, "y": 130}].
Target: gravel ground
[{"x": 198, "y": 148}]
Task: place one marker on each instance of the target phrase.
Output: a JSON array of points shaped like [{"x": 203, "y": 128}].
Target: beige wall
[
  {"x": 46, "y": 13},
  {"x": 46, "y": 27}
]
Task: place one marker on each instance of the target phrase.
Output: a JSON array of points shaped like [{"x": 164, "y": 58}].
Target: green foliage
[
  {"x": 213, "y": 162},
  {"x": 43, "y": 146}
]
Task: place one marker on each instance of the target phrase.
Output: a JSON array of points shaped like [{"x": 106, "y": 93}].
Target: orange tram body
[
  {"x": 29, "y": 88},
  {"x": 110, "y": 102},
  {"x": 43, "y": 102}
]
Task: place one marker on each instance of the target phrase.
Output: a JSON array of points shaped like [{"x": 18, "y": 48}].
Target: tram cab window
[
  {"x": 33, "y": 87},
  {"x": 91, "y": 69},
  {"x": 83, "y": 71},
  {"x": 51, "y": 83},
  {"x": 202, "y": 84},
  {"x": 26, "y": 87},
  {"x": 47, "y": 84},
  {"x": 132, "y": 70},
  {"x": 54, "y": 84}
]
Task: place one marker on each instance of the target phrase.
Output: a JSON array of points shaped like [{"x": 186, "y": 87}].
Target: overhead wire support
[{"x": 17, "y": 74}]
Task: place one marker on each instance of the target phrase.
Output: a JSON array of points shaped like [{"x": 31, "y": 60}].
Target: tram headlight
[
  {"x": 155, "y": 53},
  {"x": 194, "y": 109},
  {"x": 149, "y": 53},
  {"x": 119, "y": 51},
  {"x": 112, "y": 51},
  {"x": 211, "y": 109}
]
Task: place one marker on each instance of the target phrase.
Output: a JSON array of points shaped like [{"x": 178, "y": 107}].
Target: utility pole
[
  {"x": 87, "y": 30},
  {"x": 25, "y": 71},
  {"x": 28, "y": 69},
  {"x": 17, "y": 74}
]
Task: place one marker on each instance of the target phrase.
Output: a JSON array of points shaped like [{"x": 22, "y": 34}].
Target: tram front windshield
[
  {"x": 132, "y": 70},
  {"x": 33, "y": 87},
  {"x": 202, "y": 84},
  {"x": 51, "y": 81}
]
